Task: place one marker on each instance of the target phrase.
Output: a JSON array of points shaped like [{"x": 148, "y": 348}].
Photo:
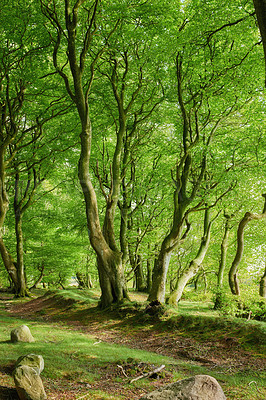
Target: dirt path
[{"x": 222, "y": 355}]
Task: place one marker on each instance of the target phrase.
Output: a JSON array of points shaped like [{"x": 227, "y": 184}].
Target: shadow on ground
[{"x": 7, "y": 393}]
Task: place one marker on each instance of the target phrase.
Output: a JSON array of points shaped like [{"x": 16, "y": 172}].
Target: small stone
[
  {"x": 21, "y": 334},
  {"x": 28, "y": 383},
  {"x": 31, "y": 360},
  {"x": 199, "y": 387}
]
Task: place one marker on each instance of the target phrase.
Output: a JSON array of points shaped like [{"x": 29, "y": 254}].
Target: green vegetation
[
  {"x": 82, "y": 346},
  {"x": 132, "y": 165}
]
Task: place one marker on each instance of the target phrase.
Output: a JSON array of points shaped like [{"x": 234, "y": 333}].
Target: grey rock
[
  {"x": 28, "y": 383},
  {"x": 31, "y": 360},
  {"x": 21, "y": 334},
  {"x": 199, "y": 387}
]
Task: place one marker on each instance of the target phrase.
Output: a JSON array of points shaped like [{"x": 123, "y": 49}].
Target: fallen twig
[
  {"x": 123, "y": 371},
  {"x": 250, "y": 383},
  {"x": 148, "y": 374}
]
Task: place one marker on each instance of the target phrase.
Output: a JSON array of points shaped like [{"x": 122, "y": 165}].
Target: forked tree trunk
[
  {"x": 41, "y": 269},
  {"x": 233, "y": 279},
  {"x": 159, "y": 274},
  {"x": 109, "y": 262},
  {"x": 195, "y": 264}
]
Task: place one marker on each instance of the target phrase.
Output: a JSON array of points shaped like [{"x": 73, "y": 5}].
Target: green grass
[{"x": 75, "y": 356}]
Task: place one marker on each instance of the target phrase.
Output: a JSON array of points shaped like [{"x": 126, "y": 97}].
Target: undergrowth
[{"x": 79, "y": 365}]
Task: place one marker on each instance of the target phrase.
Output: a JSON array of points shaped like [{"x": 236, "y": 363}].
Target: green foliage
[{"x": 249, "y": 305}]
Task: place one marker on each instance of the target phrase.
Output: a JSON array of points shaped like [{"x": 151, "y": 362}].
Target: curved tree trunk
[
  {"x": 195, "y": 264},
  {"x": 233, "y": 279},
  {"x": 109, "y": 261},
  {"x": 159, "y": 274},
  {"x": 41, "y": 269},
  {"x": 184, "y": 194},
  {"x": 224, "y": 248},
  {"x": 8, "y": 261}
]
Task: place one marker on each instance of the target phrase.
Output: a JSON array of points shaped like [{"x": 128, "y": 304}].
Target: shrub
[{"x": 248, "y": 305}]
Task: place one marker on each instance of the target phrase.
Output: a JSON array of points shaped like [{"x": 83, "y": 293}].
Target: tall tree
[{"x": 233, "y": 280}]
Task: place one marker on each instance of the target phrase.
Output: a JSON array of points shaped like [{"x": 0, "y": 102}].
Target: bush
[{"x": 248, "y": 305}]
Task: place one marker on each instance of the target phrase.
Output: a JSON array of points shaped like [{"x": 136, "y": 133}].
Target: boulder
[
  {"x": 31, "y": 360},
  {"x": 199, "y": 387},
  {"x": 21, "y": 334},
  {"x": 28, "y": 383}
]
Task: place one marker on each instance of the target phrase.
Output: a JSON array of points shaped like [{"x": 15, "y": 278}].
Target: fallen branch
[
  {"x": 148, "y": 374},
  {"x": 123, "y": 371}
]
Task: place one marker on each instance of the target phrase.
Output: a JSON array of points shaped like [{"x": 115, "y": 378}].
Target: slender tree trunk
[
  {"x": 161, "y": 263},
  {"x": 262, "y": 291},
  {"x": 140, "y": 282},
  {"x": 22, "y": 289},
  {"x": 233, "y": 279},
  {"x": 41, "y": 269},
  {"x": 224, "y": 248},
  {"x": 8, "y": 261},
  {"x": 149, "y": 274},
  {"x": 195, "y": 264}
]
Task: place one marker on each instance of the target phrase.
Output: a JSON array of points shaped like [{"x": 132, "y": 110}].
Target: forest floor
[{"x": 198, "y": 344}]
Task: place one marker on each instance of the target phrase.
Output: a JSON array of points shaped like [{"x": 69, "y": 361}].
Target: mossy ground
[{"x": 93, "y": 354}]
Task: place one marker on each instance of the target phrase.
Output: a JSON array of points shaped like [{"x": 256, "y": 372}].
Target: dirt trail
[{"x": 222, "y": 355}]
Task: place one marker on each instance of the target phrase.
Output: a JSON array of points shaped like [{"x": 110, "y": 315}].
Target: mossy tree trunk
[
  {"x": 195, "y": 264},
  {"x": 109, "y": 258},
  {"x": 232, "y": 276},
  {"x": 224, "y": 249},
  {"x": 262, "y": 291},
  {"x": 183, "y": 195}
]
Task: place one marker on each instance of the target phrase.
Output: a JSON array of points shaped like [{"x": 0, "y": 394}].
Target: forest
[{"x": 132, "y": 150}]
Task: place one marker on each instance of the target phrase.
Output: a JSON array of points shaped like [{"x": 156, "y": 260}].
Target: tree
[
  {"x": 233, "y": 281},
  {"x": 195, "y": 264}
]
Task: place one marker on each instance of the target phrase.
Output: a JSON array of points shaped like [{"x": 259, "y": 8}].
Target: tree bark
[
  {"x": 109, "y": 261},
  {"x": 224, "y": 248},
  {"x": 41, "y": 269},
  {"x": 8, "y": 261},
  {"x": 183, "y": 197},
  {"x": 260, "y": 9},
  {"x": 262, "y": 291},
  {"x": 233, "y": 279},
  {"x": 22, "y": 289},
  {"x": 195, "y": 264}
]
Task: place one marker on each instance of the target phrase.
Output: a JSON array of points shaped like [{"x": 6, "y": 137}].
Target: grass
[{"x": 80, "y": 366}]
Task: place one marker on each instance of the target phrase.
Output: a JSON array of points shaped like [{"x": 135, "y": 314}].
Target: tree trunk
[
  {"x": 224, "y": 248},
  {"x": 10, "y": 265},
  {"x": 195, "y": 264},
  {"x": 109, "y": 262},
  {"x": 41, "y": 269},
  {"x": 232, "y": 276},
  {"x": 149, "y": 275},
  {"x": 262, "y": 291},
  {"x": 22, "y": 287},
  {"x": 260, "y": 9},
  {"x": 140, "y": 282},
  {"x": 8, "y": 261}
]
